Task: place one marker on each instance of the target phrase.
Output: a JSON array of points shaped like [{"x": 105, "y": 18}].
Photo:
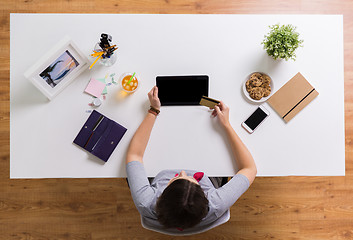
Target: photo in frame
[{"x": 57, "y": 68}]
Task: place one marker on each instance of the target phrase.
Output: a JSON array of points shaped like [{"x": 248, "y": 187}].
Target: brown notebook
[{"x": 292, "y": 97}]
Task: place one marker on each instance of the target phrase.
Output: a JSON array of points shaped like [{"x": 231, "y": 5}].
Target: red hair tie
[{"x": 198, "y": 176}]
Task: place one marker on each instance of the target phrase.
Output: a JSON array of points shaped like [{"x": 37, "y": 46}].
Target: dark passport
[{"x": 100, "y": 135}]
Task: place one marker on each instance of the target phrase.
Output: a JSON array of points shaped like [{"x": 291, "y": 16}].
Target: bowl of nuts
[{"x": 258, "y": 87}]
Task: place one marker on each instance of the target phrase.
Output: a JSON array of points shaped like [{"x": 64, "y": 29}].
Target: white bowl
[{"x": 263, "y": 99}]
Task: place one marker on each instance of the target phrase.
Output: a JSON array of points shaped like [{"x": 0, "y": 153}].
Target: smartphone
[{"x": 255, "y": 119}]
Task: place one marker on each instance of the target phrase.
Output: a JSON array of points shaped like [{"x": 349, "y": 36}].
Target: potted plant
[{"x": 282, "y": 41}]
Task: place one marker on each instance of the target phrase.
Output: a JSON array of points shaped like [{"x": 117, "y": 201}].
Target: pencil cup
[{"x": 107, "y": 61}]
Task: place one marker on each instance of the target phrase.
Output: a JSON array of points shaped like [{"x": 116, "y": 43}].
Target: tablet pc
[{"x": 181, "y": 90}]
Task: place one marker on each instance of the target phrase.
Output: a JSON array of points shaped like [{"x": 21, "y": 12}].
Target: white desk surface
[{"x": 225, "y": 47}]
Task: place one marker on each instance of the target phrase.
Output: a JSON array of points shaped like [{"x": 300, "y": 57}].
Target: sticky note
[
  {"x": 105, "y": 89},
  {"x": 95, "y": 87}
]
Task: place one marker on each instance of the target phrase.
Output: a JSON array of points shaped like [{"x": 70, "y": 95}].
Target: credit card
[{"x": 208, "y": 102}]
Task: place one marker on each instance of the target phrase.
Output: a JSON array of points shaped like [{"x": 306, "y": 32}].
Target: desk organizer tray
[{"x": 100, "y": 135}]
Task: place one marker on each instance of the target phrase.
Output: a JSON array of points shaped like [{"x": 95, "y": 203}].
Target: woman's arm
[
  {"x": 243, "y": 158},
  {"x": 139, "y": 141}
]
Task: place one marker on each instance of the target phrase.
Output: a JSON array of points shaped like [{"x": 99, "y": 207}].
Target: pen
[
  {"x": 98, "y": 57},
  {"x": 113, "y": 46},
  {"x": 96, "y": 143},
  {"x": 95, "y": 54},
  {"x": 100, "y": 119}
]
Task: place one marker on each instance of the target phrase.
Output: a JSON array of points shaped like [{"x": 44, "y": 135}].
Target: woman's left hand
[{"x": 153, "y": 97}]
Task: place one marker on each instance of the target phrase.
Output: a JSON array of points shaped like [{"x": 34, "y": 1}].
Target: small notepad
[
  {"x": 95, "y": 87},
  {"x": 105, "y": 91},
  {"x": 292, "y": 97}
]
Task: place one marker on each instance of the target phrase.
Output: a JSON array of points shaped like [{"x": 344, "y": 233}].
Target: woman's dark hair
[{"x": 182, "y": 204}]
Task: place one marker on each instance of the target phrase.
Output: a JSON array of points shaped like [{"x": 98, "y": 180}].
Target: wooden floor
[{"x": 273, "y": 208}]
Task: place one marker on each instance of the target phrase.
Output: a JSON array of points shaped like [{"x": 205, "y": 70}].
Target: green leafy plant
[{"x": 282, "y": 41}]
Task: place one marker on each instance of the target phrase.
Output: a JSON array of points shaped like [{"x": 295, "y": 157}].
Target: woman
[{"x": 185, "y": 202}]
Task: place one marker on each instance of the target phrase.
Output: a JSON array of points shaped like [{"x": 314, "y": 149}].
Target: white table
[{"x": 225, "y": 47}]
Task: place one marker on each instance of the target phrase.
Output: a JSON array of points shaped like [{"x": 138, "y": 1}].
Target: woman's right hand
[
  {"x": 153, "y": 97},
  {"x": 222, "y": 112}
]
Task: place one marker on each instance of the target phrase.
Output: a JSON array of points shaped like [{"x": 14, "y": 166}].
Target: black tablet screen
[{"x": 181, "y": 90}]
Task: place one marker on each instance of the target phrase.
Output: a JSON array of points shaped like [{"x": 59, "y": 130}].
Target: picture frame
[{"x": 59, "y": 67}]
